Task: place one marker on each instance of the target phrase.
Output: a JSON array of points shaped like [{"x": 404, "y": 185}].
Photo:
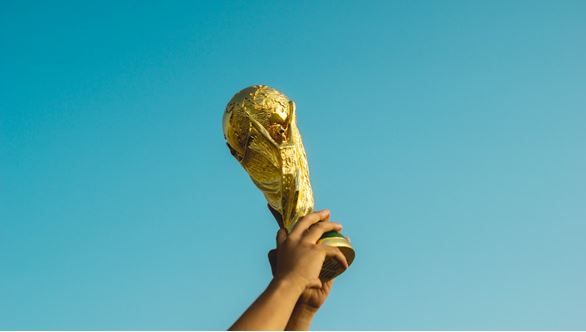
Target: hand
[
  {"x": 298, "y": 262},
  {"x": 311, "y": 298}
]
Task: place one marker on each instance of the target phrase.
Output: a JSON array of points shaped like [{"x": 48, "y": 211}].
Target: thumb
[{"x": 281, "y": 237}]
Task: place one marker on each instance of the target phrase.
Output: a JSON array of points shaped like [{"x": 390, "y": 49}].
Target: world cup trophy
[{"x": 260, "y": 128}]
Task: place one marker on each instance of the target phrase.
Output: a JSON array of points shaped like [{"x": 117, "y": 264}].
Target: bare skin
[
  {"x": 311, "y": 299},
  {"x": 296, "y": 292}
]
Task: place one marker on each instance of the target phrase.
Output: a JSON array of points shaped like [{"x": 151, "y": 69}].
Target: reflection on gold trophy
[{"x": 260, "y": 128}]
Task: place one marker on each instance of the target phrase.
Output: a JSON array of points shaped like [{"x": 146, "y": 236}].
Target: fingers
[
  {"x": 302, "y": 225},
  {"x": 337, "y": 254},
  {"x": 316, "y": 231},
  {"x": 328, "y": 284},
  {"x": 316, "y": 283},
  {"x": 281, "y": 237}
]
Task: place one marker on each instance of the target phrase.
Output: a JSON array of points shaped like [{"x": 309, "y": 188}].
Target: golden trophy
[{"x": 260, "y": 128}]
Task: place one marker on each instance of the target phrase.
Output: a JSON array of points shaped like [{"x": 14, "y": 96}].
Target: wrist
[{"x": 297, "y": 284}]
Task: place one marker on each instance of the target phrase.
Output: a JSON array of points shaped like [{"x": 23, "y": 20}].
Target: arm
[
  {"x": 310, "y": 300},
  {"x": 298, "y": 267},
  {"x": 301, "y": 317},
  {"x": 307, "y": 306},
  {"x": 272, "y": 308}
]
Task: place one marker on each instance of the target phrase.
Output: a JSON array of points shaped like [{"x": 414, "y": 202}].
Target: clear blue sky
[{"x": 448, "y": 137}]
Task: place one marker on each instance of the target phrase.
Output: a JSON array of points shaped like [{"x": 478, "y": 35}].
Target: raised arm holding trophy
[{"x": 260, "y": 129}]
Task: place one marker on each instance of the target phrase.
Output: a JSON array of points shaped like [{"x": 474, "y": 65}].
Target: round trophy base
[{"x": 332, "y": 267}]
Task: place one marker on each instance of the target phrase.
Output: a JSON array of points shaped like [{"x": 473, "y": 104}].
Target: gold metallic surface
[
  {"x": 332, "y": 267},
  {"x": 260, "y": 128}
]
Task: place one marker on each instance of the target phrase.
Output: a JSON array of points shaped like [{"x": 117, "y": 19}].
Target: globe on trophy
[{"x": 260, "y": 128}]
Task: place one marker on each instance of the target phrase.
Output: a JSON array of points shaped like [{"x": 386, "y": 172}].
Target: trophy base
[{"x": 332, "y": 267}]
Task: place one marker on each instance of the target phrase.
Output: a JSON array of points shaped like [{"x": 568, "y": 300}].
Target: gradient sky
[{"x": 448, "y": 137}]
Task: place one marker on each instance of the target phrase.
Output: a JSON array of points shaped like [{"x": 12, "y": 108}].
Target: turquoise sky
[{"x": 448, "y": 137}]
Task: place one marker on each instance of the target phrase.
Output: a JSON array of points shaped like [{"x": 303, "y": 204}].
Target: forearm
[
  {"x": 272, "y": 309},
  {"x": 301, "y": 318}
]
